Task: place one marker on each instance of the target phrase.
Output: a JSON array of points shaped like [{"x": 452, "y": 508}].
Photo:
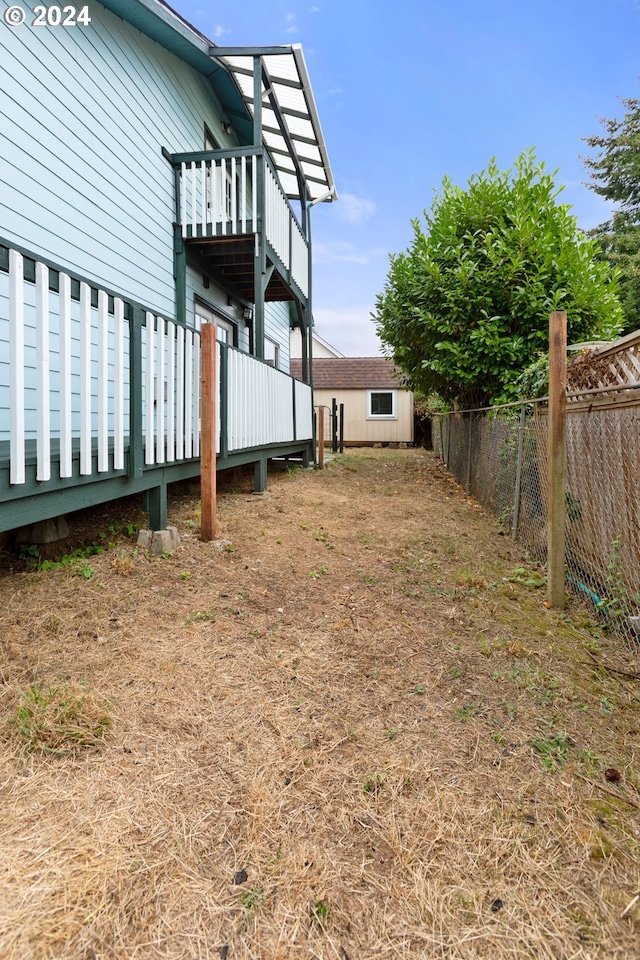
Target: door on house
[
  {"x": 226, "y": 330},
  {"x": 219, "y": 190}
]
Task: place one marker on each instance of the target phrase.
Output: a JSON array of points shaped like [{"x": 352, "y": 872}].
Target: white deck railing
[
  {"x": 259, "y": 403},
  {"x": 67, "y": 376},
  {"x": 218, "y": 197},
  {"x": 65, "y": 383},
  {"x": 304, "y": 410},
  {"x": 171, "y": 391}
]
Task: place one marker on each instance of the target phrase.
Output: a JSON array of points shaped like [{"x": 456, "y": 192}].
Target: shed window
[{"x": 381, "y": 405}]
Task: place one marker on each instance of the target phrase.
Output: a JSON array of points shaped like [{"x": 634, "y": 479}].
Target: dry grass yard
[{"x": 354, "y": 733}]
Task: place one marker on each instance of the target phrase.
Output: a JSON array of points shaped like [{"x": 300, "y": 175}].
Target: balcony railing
[
  {"x": 93, "y": 386},
  {"x": 218, "y": 195}
]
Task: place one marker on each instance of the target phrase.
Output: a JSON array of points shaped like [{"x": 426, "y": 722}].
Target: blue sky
[{"x": 409, "y": 91}]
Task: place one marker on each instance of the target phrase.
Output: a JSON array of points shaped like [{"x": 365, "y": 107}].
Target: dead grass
[{"x": 363, "y": 705}]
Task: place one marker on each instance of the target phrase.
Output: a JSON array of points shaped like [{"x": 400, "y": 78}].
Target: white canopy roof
[{"x": 290, "y": 125}]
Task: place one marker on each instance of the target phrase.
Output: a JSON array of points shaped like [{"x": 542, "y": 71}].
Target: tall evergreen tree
[{"x": 615, "y": 175}]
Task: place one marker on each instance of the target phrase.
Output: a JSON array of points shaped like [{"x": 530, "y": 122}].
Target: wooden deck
[{"x": 103, "y": 399}]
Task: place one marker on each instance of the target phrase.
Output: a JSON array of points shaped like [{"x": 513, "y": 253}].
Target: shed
[{"x": 377, "y": 407}]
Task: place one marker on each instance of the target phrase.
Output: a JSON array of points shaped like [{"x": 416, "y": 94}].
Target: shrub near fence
[{"x": 499, "y": 455}]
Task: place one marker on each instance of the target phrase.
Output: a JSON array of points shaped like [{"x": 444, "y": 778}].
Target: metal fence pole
[
  {"x": 334, "y": 425},
  {"x": 516, "y": 495}
]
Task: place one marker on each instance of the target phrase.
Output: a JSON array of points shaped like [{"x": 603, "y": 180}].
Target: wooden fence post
[
  {"x": 208, "y": 433},
  {"x": 556, "y": 457}
]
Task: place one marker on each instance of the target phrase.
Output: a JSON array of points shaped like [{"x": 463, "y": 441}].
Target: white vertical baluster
[
  {"x": 276, "y": 219},
  {"x": 223, "y": 194},
  {"x": 214, "y": 195},
  {"x": 149, "y": 426},
  {"x": 118, "y": 385},
  {"x": 285, "y": 229},
  {"x": 183, "y": 197},
  {"x": 267, "y": 197},
  {"x": 85, "y": 379},
  {"x": 254, "y": 192},
  {"x": 196, "y": 396},
  {"x": 16, "y": 367},
  {"x": 234, "y": 205},
  {"x": 232, "y": 405},
  {"x": 277, "y": 209},
  {"x": 43, "y": 434},
  {"x": 171, "y": 384},
  {"x": 103, "y": 381},
  {"x": 281, "y": 211},
  {"x": 160, "y": 394},
  {"x": 180, "y": 397},
  {"x": 66, "y": 448},
  {"x": 203, "y": 187},
  {"x": 193, "y": 198},
  {"x": 218, "y": 404},
  {"x": 269, "y": 191},
  {"x": 188, "y": 394},
  {"x": 243, "y": 193}
]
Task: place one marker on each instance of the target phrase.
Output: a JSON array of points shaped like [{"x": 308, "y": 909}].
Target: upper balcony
[
  {"x": 233, "y": 206},
  {"x": 227, "y": 201}
]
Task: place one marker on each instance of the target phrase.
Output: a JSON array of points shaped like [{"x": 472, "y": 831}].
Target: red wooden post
[{"x": 208, "y": 433}]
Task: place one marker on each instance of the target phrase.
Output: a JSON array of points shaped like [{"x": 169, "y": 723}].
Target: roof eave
[{"x": 162, "y": 24}]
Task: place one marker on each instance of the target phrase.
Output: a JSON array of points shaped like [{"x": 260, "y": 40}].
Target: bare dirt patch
[{"x": 355, "y": 733}]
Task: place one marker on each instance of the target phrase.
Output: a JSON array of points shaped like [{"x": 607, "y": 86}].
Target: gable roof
[{"x": 351, "y": 373}]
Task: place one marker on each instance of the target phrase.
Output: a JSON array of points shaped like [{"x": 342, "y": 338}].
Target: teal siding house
[{"x": 151, "y": 182}]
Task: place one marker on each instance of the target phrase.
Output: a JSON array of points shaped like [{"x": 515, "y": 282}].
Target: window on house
[
  {"x": 381, "y": 405},
  {"x": 226, "y": 331},
  {"x": 271, "y": 352}
]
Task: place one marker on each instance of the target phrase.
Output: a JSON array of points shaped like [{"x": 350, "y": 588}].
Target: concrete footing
[
  {"x": 45, "y": 531},
  {"x": 158, "y": 542}
]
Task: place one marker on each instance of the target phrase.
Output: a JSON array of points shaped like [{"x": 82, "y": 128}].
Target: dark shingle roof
[{"x": 351, "y": 373}]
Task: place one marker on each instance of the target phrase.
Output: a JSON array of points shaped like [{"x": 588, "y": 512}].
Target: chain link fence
[{"x": 499, "y": 455}]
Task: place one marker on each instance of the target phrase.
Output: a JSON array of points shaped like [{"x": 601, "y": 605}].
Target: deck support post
[
  {"x": 260, "y": 475},
  {"x": 156, "y": 506},
  {"x": 208, "y": 433},
  {"x": 180, "y": 273},
  {"x": 260, "y": 257}
]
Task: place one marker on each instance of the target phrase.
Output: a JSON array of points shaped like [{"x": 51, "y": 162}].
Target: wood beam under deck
[{"x": 230, "y": 260}]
